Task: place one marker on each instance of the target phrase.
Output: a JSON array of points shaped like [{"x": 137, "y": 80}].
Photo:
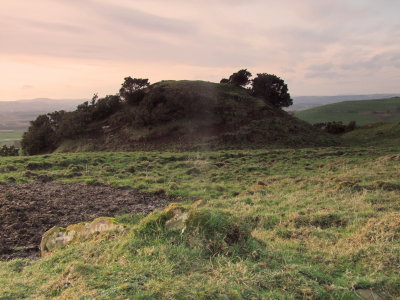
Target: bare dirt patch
[{"x": 28, "y": 210}]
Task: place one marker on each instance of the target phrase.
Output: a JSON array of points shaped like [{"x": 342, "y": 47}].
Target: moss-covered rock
[
  {"x": 58, "y": 237},
  {"x": 178, "y": 220},
  {"x": 155, "y": 223}
]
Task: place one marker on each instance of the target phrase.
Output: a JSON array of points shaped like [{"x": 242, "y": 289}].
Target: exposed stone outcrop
[
  {"x": 58, "y": 237},
  {"x": 180, "y": 215}
]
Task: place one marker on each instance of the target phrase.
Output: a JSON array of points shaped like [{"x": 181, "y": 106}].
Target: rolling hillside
[
  {"x": 363, "y": 111},
  {"x": 375, "y": 134},
  {"x": 307, "y": 102}
]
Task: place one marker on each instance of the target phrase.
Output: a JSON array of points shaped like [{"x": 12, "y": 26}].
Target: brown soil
[{"x": 28, "y": 210}]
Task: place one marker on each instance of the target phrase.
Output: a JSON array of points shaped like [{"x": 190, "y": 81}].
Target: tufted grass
[{"x": 326, "y": 222}]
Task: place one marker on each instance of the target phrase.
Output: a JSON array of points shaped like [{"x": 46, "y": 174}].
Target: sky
[{"x": 75, "y": 48}]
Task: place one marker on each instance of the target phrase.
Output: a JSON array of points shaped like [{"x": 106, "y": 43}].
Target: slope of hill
[
  {"x": 182, "y": 115},
  {"x": 306, "y": 102},
  {"x": 363, "y": 111},
  {"x": 375, "y": 134}
]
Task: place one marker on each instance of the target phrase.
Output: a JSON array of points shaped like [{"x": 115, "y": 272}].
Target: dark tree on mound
[
  {"x": 106, "y": 106},
  {"x": 240, "y": 78},
  {"x": 272, "y": 89},
  {"x": 132, "y": 89},
  {"x": 39, "y": 137}
]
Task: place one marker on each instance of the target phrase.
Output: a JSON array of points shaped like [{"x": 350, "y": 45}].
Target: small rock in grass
[
  {"x": 58, "y": 237},
  {"x": 193, "y": 171}
]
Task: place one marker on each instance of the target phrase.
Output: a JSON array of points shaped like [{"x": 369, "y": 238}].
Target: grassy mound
[
  {"x": 195, "y": 115},
  {"x": 210, "y": 232}
]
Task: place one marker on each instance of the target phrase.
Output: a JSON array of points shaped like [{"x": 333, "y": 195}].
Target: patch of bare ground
[{"x": 28, "y": 210}]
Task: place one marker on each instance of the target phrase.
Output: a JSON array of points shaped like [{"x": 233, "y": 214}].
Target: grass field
[
  {"x": 363, "y": 112},
  {"x": 374, "y": 134},
  {"x": 10, "y": 137},
  {"x": 324, "y": 224}
]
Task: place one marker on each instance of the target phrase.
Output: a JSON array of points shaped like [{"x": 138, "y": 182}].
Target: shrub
[
  {"x": 240, "y": 78},
  {"x": 40, "y": 136},
  {"x": 336, "y": 127},
  {"x": 106, "y": 106},
  {"x": 9, "y": 151}
]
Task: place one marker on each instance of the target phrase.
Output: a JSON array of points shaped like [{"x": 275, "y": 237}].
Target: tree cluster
[
  {"x": 268, "y": 87},
  {"x": 9, "y": 151},
  {"x": 45, "y": 133}
]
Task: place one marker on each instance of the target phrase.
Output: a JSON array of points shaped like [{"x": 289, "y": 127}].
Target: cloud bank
[{"x": 71, "y": 48}]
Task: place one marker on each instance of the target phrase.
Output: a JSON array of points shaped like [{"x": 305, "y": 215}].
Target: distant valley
[{"x": 16, "y": 115}]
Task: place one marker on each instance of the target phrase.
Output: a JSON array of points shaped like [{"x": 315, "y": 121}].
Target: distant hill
[
  {"x": 15, "y": 115},
  {"x": 363, "y": 112},
  {"x": 306, "y": 102},
  {"x": 178, "y": 115}
]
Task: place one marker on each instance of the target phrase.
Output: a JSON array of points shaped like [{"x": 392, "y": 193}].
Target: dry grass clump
[
  {"x": 377, "y": 243},
  {"x": 386, "y": 186},
  {"x": 390, "y": 157},
  {"x": 348, "y": 185},
  {"x": 377, "y": 230},
  {"x": 321, "y": 219},
  {"x": 385, "y": 229}
]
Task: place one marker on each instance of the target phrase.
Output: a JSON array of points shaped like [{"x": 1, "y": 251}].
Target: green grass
[
  {"x": 324, "y": 222},
  {"x": 363, "y": 112},
  {"x": 10, "y": 137},
  {"x": 374, "y": 134}
]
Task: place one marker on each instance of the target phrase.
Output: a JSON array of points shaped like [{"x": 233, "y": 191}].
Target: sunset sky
[{"x": 74, "y": 48}]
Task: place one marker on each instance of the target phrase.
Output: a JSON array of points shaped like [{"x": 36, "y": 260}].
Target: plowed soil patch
[{"x": 28, "y": 210}]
